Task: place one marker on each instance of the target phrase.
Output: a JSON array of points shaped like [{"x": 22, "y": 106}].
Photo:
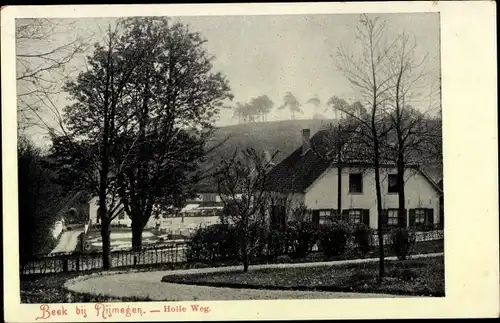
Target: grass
[
  {"x": 50, "y": 289},
  {"x": 422, "y": 277}
]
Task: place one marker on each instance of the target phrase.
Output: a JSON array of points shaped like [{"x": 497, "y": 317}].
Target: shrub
[
  {"x": 276, "y": 243},
  {"x": 361, "y": 235},
  {"x": 403, "y": 242},
  {"x": 333, "y": 238},
  {"x": 300, "y": 238},
  {"x": 213, "y": 243}
]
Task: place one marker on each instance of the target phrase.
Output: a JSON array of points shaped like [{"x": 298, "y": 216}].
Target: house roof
[{"x": 298, "y": 171}]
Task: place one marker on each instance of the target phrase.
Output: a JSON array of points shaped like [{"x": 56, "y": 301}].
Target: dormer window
[{"x": 393, "y": 183}]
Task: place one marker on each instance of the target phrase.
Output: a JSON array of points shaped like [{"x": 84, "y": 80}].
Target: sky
[{"x": 272, "y": 55}]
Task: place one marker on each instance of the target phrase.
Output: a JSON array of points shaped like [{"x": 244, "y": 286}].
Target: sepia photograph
[{"x": 187, "y": 158}]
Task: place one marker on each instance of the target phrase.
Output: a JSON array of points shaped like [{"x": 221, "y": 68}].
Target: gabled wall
[{"x": 419, "y": 193}]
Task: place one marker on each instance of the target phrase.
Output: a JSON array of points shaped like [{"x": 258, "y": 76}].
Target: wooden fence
[{"x": 66, "y": 262}]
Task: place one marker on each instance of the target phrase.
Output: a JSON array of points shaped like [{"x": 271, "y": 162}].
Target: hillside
[{"x": 282, "y": 137}]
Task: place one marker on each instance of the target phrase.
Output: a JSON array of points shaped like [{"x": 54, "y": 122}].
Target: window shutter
[
  {"x": 366, "y": 217},
  {"x": 315, "y": 216},
  {"x": 412, "y": 217},
  {"x": 345, "y": 215},
  {"x": 430, "y": 216}
]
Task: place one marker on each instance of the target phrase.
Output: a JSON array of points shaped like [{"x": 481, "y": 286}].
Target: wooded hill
[{"x": 274, "y": 136}]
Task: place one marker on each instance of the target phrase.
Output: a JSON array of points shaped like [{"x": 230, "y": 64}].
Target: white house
[{"x": 307, "y": 178}]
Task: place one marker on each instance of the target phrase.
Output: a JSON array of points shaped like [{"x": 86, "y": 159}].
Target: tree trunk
[
  {"x": 105, "y": 236},
  {"x": 339, "y": 172},
  {"x": 136, "y": 234},
  {"x": 380, "y": 228},
  {"x": 339, "y": 192},
  {"x": 245, "y": 261},
  {"x": 401, "y": 189},
  {"x": 244, "y": 250}
]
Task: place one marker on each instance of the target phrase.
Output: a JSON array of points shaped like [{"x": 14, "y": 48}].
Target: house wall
[{"x": 419, "y": 193}]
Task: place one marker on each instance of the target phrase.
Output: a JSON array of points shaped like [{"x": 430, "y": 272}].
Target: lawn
[
  {"x": 422, "y": 277},
  {"x": 50, "y": 289}
]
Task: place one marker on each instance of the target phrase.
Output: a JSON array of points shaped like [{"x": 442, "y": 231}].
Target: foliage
[
  {"x": 362, "y": 234},
  {"x": 217, "y": 242},
  {"x": 291, "y": 102},
  {"x": 403, "y": 242},
  {"x": 333, "y": 238},
  {"x": 276, "y": 243},
  {"x": 300, "y": 238},
  {"x": 258, "y": 107},
  {"x": 39, "y": 197}
]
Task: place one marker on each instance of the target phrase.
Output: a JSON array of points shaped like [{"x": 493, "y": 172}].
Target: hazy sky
[{"x": 275, "y": 54}]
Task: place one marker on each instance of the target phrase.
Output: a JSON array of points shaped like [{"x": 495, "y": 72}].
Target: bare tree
[
  {"x": 366, "y": 74},
  {"x": 40, "y": 73},
  {"x": 410, "y": 85},
  {"x": 241, "y": 184}
]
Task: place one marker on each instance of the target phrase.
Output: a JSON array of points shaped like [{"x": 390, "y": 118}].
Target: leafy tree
[
  {"x": 262, "y": 105},
  {"x": 316, "y": 103},
  {"x": 99, "y": 113},
  {"x": 291, "y": 102},
  {"x": 176, "y": 98}
]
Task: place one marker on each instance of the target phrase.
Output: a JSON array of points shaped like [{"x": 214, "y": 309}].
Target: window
[
  {"x": 393, "y": 183},
  {"x": 355, "y": 183},
  {"x": 326, "y": 216},
  {"x": 354, "y": 216},
  {"x": 419, "y": 216},
  {"x": 392, "y": 217}
]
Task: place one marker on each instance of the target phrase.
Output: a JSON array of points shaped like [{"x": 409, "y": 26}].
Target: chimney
[{"x": 306, "y": 144}]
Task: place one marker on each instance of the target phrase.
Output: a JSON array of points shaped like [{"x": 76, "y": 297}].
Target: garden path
[{"x": 148, "y": 284}]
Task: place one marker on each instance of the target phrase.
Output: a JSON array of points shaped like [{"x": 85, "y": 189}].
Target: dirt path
[{"x": 149, "y": 285}]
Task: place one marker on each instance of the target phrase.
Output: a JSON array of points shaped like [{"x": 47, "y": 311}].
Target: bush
[
  {"x": 333, "y": 238},
  {"x": 426, "y": 227},
  {"x": 361, "y": 235},
  {"x": 214, "y": 243},
  {"x": 300, "y": 238},
  {"x": 403, "y": 241},
  {"x": 276, "y": 243}
]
